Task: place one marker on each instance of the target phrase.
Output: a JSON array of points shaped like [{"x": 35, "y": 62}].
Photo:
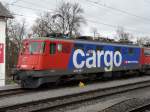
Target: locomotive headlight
[
  {"x": 33, "y": 67},
  {"x": 18, "y": 66}
]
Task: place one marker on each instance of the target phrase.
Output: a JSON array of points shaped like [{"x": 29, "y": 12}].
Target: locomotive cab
[
  {"x": 41, "y": 60},
  {"x": 31, "y": 55}
]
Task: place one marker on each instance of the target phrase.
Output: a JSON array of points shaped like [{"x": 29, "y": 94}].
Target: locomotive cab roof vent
[{"x": 57, "y": 35}]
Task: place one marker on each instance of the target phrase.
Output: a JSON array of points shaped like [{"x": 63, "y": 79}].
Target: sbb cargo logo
[
  {"x": 1, "y": 53},
  {"x": 95, "y": 58}
]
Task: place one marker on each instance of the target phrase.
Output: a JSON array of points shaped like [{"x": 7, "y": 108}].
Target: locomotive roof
[{"x": 86, "y": 41}]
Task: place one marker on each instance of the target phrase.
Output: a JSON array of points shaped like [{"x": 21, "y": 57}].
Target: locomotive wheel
[
  {"x": 59, "y": 81},
  {"x": 117, "y": 74},
  {"x": 147, "y": 72},
  {"x": 29, "y": 83},
  {"x": 107, "y": 75},
  {"x": 22, "y": 83}
]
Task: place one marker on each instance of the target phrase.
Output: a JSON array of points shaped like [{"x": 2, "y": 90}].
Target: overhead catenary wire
[
  {"x": 96, "y": 3},
  {"x": 34, "y": 4},
  {"x": 119, "y": 10},
  {"x": 89, "y": 20},
  {"x": 101, "y": 23},
  {"x": 33, "y": 9},
  {"x": 114, "y": 26},
  {"x": 147, "y": 1},
  {"x": 14, "y": 2}
]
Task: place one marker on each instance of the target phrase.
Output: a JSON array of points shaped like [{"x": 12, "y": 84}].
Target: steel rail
[
  {"x": 142, "y": 108},
  {"x": 63, "y": 101},
  {"x": 10, "y": 92}
]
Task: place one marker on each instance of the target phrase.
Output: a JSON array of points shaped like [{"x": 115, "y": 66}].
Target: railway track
[
  {"x": 69, "y": 101},
  {"x": 130, "y": 105},
  {"x": 10, "y": 92},
  {"x": 142, "y": 108},
  {"x": 13, "y": 91}
]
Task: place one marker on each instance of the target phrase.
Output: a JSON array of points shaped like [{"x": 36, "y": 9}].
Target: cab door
[
  {"x": 63, "y": 55},
  {"x": 52, "y": 53}
]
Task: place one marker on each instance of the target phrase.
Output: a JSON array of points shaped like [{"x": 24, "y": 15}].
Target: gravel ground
[
  {"x": 66, "y": 91},
  {"x": 7, "y": 87},
  {"x": 115, "y": 103}
]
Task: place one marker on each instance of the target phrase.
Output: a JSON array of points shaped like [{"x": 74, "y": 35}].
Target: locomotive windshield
[
  {"x": 147, "y": 52},
  {"x": 34, "y": 48}
]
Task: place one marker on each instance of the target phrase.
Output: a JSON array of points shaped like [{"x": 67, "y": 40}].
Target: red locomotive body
[
  {"x": 50, "y": 60},
  {"x": 145, "y": 58},
  {"x": 37, "y": 55}
]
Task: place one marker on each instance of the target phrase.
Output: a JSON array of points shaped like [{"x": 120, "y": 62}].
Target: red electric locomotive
[
  {"x": 44, "y": 60},
  {"x": 145, "y": 59}
]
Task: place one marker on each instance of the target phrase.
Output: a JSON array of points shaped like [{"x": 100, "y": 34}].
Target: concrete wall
[{"x": 2, "y": 47}]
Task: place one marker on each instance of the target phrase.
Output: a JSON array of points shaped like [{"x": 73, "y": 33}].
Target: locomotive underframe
[{"x": 34, "y": 79}]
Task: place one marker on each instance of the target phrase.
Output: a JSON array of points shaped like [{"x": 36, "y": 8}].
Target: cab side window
[
  {"x": 59, "y": 48},
  {"x": 52, "y": 48},
  {"x": 147, "y": 52}
]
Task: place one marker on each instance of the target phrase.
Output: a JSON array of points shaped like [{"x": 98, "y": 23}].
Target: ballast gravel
[
  {"x": 115, "y": 103},
  {"x": 29, "y": 97},
  {"x": 68, "y": 91}
]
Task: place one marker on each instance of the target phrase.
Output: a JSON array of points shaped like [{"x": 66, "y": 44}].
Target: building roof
[{"x": 4, "y": 13}]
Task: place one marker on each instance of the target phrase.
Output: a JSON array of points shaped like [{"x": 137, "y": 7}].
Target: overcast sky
[{"x": 104, "y": 15}]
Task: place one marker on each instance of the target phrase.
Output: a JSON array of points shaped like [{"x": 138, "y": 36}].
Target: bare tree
[
  {"x": 16, "y": 31},
  {"x": 94, "y": 31},
  {"x": 15, "y": 35},
  {"x": 70, "y": 17},
  {"x": 123, "y": 36},
  {"x": 143, "y": 41},
  {"x": 45, "y": 24},
  {"x": 66, "y": 19},
  {"x": 38, "y": 28}
]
